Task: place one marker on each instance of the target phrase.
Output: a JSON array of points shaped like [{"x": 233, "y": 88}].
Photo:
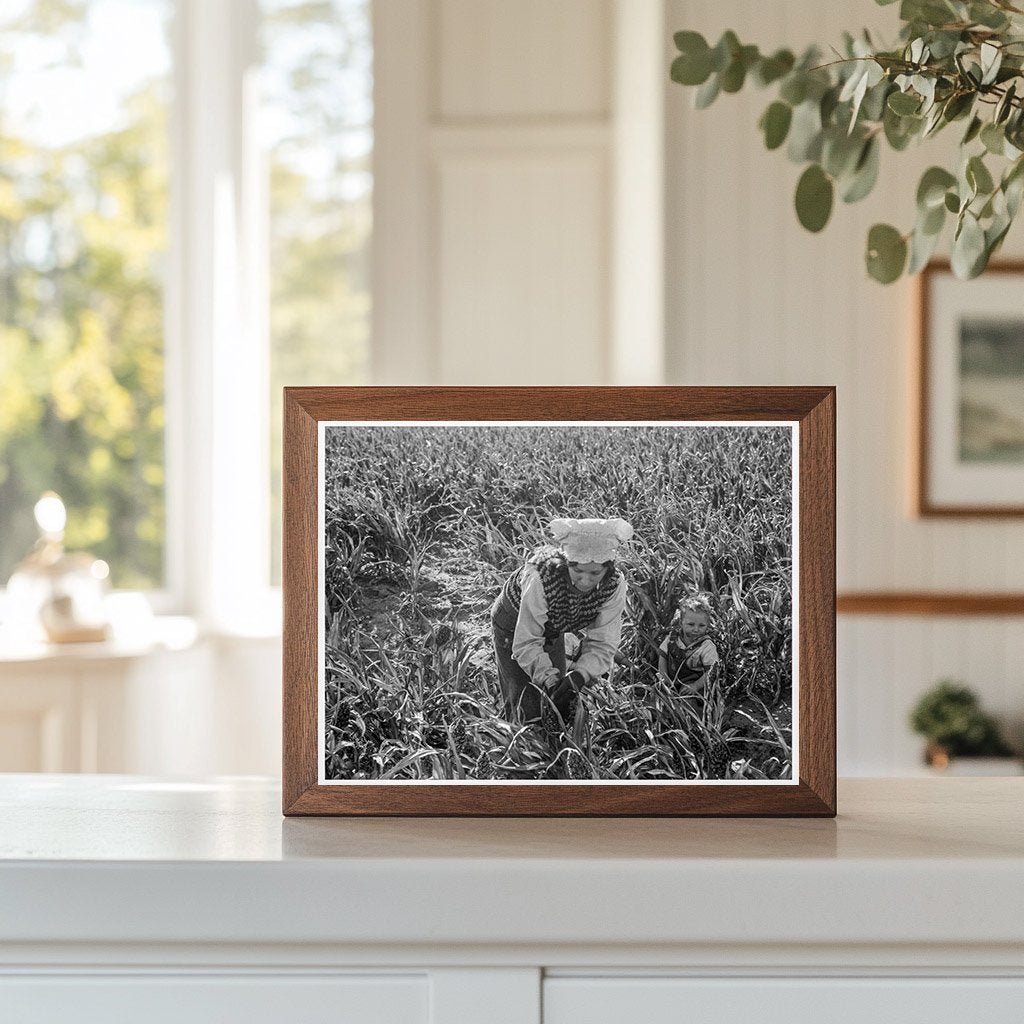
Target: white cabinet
[
  {"x": 107, "y": 707},
  {"x": 821, "y": 1000},
  {"x": 196, "y": 902},
  {"x": 216, "y": 999},
  {"x": 160, "y": 700}
]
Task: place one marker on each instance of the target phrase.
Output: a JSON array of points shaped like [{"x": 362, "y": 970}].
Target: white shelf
[
  {"x": 919, "y": 861},
  {"x": 196, "y": 900}
]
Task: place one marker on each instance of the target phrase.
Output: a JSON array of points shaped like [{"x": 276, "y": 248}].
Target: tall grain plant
[{"x": 422, "y": 526}]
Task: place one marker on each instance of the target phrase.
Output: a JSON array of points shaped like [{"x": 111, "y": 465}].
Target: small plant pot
[
  {"x": 939, "y": 759},
  {"x": 936, "y": 756}
]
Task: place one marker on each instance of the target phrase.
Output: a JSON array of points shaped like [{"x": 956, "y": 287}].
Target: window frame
[{"x": 217, "y": 440}]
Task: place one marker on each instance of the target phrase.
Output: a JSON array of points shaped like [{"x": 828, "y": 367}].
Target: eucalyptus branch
[{"x": 833, "y": 117}]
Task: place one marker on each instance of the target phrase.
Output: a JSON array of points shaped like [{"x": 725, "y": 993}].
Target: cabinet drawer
[
  {"x": 221, "y": 999},
  {"x": 648, "y": 1000}
]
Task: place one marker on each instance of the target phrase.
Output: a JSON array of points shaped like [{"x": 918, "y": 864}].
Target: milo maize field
[{"x": 423, "y": 525}]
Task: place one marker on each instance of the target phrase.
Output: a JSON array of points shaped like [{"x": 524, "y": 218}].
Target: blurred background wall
[{"x": 546, "y": 209}]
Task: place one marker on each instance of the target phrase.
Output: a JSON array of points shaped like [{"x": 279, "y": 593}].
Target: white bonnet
[{"x": 590, "y": 540}]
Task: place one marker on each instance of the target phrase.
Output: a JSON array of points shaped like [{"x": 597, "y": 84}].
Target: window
[
  {"x": 83, "y": 236},
  {"x": 184, "y": 229},
  {"x": 317, "y": 127}
]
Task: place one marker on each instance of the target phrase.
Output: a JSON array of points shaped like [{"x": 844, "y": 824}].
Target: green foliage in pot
[
  {"x": 949, "y": 716},
  {"x": 957, "y": 62}
]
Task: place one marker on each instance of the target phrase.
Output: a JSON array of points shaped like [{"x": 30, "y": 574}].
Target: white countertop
[{"x": 119, "y": 859}]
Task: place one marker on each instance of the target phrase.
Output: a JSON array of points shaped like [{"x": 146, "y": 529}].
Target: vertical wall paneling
[
  {"x": 637, "y": 252},
  {"x": 500, "y": 61},
  {"x": 493, "y": 201},
  {"x": 404, "y": 342},
  {"x": 520, "y": 292},
  {"x": 521, "y": 136}
]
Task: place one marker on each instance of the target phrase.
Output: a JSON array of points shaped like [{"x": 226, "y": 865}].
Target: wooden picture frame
[
  {"x": 969, "y": 424},
  {"x": 752, "y": 428}
]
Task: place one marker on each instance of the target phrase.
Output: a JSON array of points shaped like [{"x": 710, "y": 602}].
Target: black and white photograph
[{"x": 558, "y": 602}]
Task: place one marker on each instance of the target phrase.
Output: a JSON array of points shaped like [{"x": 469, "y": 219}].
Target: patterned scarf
[{"x": 568, "y": 608}]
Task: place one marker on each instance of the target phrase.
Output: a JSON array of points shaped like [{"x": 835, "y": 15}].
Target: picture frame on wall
[
  {"x": 970, "y": 385},
  {"x": 559, "y": 601}
]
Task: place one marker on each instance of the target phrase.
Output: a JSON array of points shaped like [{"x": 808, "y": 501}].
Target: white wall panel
[
  {"x": 523, "y": 287},
  {"x": 531, "y": 58}
]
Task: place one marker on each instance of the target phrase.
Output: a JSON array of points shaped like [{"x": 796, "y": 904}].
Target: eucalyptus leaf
[
  {"x": 993, "y": 138},
  {"x": 900, "y": 130},
  {"x": 771, "y": 69},
  {"x": 931, "y": 12},
  {"x": 873, "y": 106},
  {"x": 968, "y": 247},
  {"x": 805, "y": 133},
  {"x": 775, "y": 123},
  {"x": 904, "y": 103},
  {"x": 978, "y": 176},
  {"x": 692, "y": 68},
  {"x": 839, "y": 152},
  {"x": 794, "y": 89},
  {"x": 857, "y": 77},
  {"x": 944, "y": 44},
  {"x": 735, "y": 74},
  {"x": 814, "y": 193},
  {"x": 865, "y": 173},
  {"x": 933, "y": 121},
  {"x": 952, "y": 202},
  {"x": 991, "y": 60},
  {"x": 931, "y": 191},
  {"x": 973, "y": 129},
  {"x": 987, "y": 15},
  {"x": 725, "y": 50},
  {"x": 886, "y": 253},
  {"x": 1014, "y": 192},
  {"x": 958, "y": 105},
  {"x": 922, "y": 248},
  {"x": 925, "y": 87},
  {"x": 828, "y": 103},
  {"x": 688, "y": 41},
  {"x": 1005, "y": 105},
  {"x": 994, "y": 235},
  {"x": 707, "y": 93},
  {"x": 931, "y": 221},
  {"x": 1013, "y": 186}
]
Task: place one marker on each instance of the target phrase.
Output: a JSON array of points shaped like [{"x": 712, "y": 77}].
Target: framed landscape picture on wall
[
  {"x": 970, "y": 451},
  {"x": 559, "y": 601}
]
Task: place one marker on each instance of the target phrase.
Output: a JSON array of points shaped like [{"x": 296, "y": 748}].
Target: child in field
[
  {"x": 688, "y": 652},
  {"x": 574, "y": 587}
]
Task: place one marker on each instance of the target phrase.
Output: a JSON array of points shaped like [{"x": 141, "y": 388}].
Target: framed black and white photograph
[
  {"x": 970, "y": 455},
  {"x": 559, "y": 601}
]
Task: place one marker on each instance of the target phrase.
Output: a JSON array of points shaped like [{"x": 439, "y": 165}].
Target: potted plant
[
  {"x": 950, "y": 717},
  {"x": 956, "y": 62}
]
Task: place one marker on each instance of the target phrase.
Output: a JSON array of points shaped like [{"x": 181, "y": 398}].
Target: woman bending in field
[
  {"x": 687, "y": 653},
  {"x": 574, "y": 587}
]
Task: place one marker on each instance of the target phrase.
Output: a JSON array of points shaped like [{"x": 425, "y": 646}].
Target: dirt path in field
[{"x": 457, "y": 592}]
